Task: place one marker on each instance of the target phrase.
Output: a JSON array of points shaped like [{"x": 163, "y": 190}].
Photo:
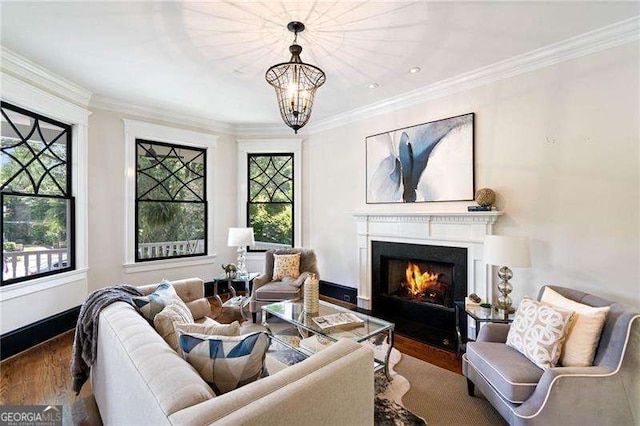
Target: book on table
[{"x": 339, "y": 321}]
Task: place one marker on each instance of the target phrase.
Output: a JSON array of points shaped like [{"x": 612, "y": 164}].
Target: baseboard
[
  {"x": 338, "y": 292},
  {"x": 23, "y": 338}
]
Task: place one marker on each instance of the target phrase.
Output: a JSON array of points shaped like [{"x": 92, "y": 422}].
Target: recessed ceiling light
[
  {"x": 373, "y": 85},
  {"x": 414, "y": 70}
]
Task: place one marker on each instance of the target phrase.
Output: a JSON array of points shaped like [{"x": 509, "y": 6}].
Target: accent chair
[
  {"x": 605, "y": 393},
  {"x": 266, "y": 290}
]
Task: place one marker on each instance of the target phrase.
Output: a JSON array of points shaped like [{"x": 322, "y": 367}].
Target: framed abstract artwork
[{"x": 424, "y": 163}]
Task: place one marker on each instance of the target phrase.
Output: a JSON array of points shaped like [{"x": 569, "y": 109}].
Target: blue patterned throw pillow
[
  {"x": 226, "y": 362},
  {"x": 153, "y": 304}
]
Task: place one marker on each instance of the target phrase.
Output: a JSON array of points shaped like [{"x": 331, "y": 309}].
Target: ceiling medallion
[{"x": 295, "y": 83}]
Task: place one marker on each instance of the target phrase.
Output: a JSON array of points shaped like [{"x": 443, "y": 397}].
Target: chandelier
[{"x": 295, "y": 83}]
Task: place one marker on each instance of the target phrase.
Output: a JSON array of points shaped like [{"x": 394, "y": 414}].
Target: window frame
[
  {"x": 293, "y": 192},
  {"x": 204, "y": 201},
  {"x": 269, "y": 146},
  {"x": 134, "y": 129},
  {"x": 69, "y": 196}
]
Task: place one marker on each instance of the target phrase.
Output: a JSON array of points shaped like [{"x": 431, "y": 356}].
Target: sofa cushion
[
  {"x": 506, "y": 369},
  {"x": 584, "y": 330},
  {"x": 277, "y": 290},
  {"x": 154, "y": 303},
  {"x": 199, "y": 308},
  {"x": 538, "y": 332},
  {"x": 286, "y": 265},
  {"x": 226, "y": 362},
  {"x": 164, "y": 322}
]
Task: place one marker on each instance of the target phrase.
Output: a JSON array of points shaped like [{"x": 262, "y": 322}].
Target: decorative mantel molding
[
  {"x": 488, "y": 218},
  {"x": 459, "y": 229}
]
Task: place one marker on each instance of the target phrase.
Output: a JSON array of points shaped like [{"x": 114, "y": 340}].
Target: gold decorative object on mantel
[{"x": 485, "y": 197}]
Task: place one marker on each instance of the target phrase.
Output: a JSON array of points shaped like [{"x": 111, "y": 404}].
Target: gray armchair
[
  {"x": 266, "y": 291},
  {"x": 606, "y": 393}
]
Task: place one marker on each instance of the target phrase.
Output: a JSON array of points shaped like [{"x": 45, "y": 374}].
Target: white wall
[
  {"x": 107, "y": 210},
  {"x": 560, "y": 146}
]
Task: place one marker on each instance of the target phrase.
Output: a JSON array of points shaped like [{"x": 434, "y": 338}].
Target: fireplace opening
[
  {"x": 420, "y": 282},
  {"x": 415, "y": 286}
]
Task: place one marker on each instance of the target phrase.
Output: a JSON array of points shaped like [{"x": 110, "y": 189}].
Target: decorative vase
[{"x": 311, "y": 294}]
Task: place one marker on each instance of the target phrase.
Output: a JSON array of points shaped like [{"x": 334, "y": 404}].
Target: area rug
[
  {"x": 388, "y": 408},
  {"x": 440, "y": 396}
]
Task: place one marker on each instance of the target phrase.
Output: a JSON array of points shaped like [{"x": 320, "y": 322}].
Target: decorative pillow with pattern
[
  {"x": 164, "y": 323},
  {"x": 584, "y": 331},
  {"x": 154, "y": 303},
  {"x": 226, "y": 362},
  {"x": 286, "y": 265},
  {"x": 538, "y": 331}
]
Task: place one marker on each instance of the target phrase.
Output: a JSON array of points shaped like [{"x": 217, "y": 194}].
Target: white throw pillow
[
  {"x": 164, "y": 323},
  {"x": 286, "y": 265},
  {"x": 584, "y": 331},
  {"x": 538, "y": 331}
]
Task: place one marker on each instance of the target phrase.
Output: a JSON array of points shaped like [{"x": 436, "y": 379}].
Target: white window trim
[
  {"x": 133, "y": 130},
  {"x": 31, "y": 98},
  {"x": 270, "y": 146}
]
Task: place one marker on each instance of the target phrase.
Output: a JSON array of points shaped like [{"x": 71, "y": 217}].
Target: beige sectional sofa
[{"x": 138, "y": 379}]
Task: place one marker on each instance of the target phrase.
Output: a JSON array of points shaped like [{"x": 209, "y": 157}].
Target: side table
[
  {"x": 235, "y": 301},
  {"x": 479, "y": 318}
]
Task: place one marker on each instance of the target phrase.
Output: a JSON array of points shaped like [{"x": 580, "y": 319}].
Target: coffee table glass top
[{"x": 293, "y": 312}]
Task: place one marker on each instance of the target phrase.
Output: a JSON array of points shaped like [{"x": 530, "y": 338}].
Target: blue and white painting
[{"x": 427, "y": 162}]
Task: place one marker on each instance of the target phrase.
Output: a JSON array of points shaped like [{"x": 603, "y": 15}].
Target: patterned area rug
[{"x": 389, "y": 410}]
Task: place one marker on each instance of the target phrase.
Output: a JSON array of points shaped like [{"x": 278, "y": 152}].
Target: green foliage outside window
[{"x": 270, "y": 206}]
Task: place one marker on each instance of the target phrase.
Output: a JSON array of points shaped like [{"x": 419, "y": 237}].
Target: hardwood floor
[{"x": 42, "y": 375}]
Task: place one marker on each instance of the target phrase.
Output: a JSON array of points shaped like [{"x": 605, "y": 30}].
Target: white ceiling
[{"x": 208, "y": 59}]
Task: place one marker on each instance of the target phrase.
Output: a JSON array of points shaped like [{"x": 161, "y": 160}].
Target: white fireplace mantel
[{"x": 464, "y": 229}]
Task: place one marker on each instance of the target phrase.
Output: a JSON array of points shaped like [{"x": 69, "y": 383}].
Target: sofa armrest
[
  {"x": 334, "y": 386},
  {"x": 493, "y": 332}
]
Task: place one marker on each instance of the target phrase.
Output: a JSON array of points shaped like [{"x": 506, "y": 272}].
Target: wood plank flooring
[{"x": 42, "y": 375}]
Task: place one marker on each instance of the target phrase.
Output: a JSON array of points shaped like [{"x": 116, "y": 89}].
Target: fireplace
[{"x": 415, "y": 286}]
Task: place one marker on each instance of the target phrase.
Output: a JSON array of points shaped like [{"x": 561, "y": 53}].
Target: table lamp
[
  {"x": 505, "y": 252},
  {"x": 241, "y": 238}
]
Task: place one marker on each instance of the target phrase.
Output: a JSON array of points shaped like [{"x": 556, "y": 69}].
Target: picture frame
[{"x": 428, "y": 162}]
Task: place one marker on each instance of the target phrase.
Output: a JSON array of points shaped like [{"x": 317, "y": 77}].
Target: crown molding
[
  {"x": 278, "y": 130},
  {"x": 23, "y": 69},
  {"x": 614, "y": 35},
  {"x": 159, "y": 114}
]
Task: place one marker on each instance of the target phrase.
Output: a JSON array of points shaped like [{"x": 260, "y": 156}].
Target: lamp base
[
  {"x": 241, "y": 272},
  {"x": 505, "y": 288}
]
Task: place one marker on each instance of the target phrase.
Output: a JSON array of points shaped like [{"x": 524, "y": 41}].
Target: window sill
[
  {"x": 39, "y": 284},
  {"x": 154, "y": 265}
]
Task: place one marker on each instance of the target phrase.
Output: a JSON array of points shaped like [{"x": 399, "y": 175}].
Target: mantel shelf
[{"x": 438, "y": 217}]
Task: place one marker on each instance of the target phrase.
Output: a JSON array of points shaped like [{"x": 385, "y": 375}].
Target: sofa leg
[
  {"x": 471, "y": 387},
  {"x": 254, "y": 316}
]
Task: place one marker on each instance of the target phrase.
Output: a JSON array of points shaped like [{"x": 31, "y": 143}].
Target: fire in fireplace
[{"x": 422, "y": 282}]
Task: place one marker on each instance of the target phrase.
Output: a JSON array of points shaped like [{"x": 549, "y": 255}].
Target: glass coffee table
[{"x": 293, "y": 314}]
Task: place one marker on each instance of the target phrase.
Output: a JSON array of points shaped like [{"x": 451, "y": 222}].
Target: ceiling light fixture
[
  {"x": 374, "y": 86},
  {"x": 414, "y": 70},
  {"x": 295, "y": 83}
]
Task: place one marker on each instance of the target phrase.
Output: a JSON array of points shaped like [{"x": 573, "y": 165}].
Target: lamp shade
[
  {"x": 239, "y": 237},
  {"x": 507, "y": 251}
]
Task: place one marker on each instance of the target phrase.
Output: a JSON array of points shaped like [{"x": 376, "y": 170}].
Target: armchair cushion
[
  {"x": 538, "y": 332},
  {"x": 508, "y": 371},
  {"x": 286, "y": 265},
  {"x": 277, "y": 290},
  {"x": 584, "y": 330}
]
